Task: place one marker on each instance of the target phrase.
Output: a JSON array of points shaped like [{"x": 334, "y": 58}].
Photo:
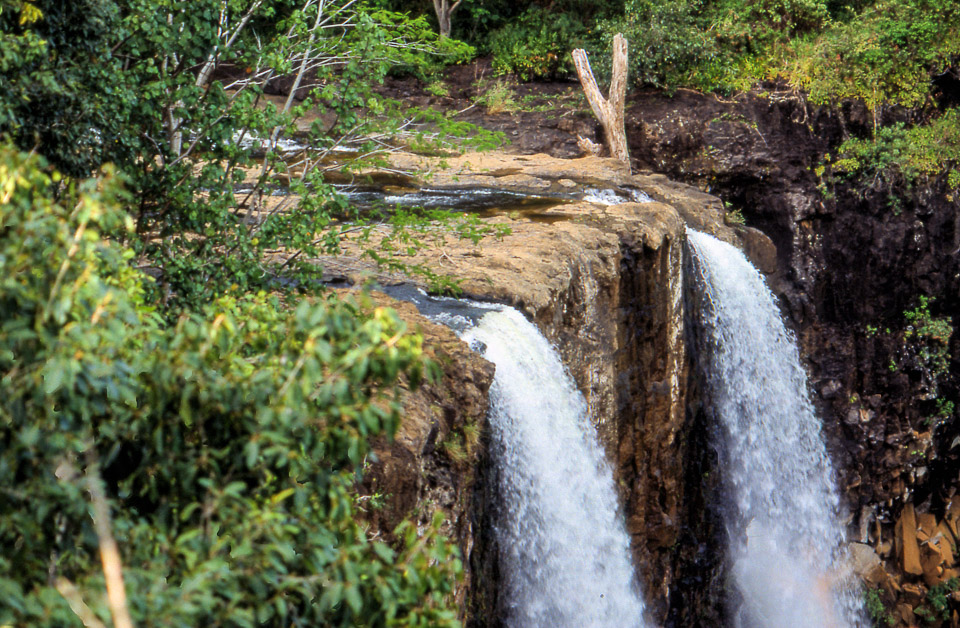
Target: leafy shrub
[
  {"x": 667, "y": 44},
  {"x": 746, "y": 24},
  {"x": 900, "y": 154},
  {"x": 880, "y": 616},
  {"x": 497, "y": 97},
  {"x": 537, "y": 45},
  {"x": 227, "y": 444},
  {"x": 936, "y": 606},
  {"x": 885, "y": 55},
  {"x": 123, "y": 81}
]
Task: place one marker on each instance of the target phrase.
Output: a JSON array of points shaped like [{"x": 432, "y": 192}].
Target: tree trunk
[
  {"x": 444, "y": 11},
  {"x": 608, "y": 111}
]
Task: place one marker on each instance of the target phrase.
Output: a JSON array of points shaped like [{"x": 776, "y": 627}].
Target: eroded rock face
[
  {"x": 604, "y": 283},
  {"x": 431, "y": 463},
  {"x": 847, "y": 269}
]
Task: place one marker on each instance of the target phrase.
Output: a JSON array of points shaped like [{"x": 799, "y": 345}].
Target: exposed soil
[{"x": 542, "y": 117}]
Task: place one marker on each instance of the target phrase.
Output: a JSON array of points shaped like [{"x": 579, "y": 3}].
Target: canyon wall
[{"x": 852, "y": 259}]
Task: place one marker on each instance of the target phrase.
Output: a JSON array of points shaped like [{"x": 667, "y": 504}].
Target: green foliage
[
  {"x": 734, "y": 217},
  {"x": 885, "y": 55},
  {"x": 668, "y": 42},
  {"x": 749, "y": 23},
  {"x": 936, "y": 606},
  {"x": 497, "y": 97},
  {"x": 925, "y": 325},
  {"x": 134, "y": 82},
  {"x": 903, "y": 155},
  {"x": 404, "y": 233},
  {"x": 537, "y": 45},
  {"x": 945, "y": 409},
  {"x": 228, "y": 443},
  {"x": 879, "y": 615},
  {"x": 932, "y": 335}
]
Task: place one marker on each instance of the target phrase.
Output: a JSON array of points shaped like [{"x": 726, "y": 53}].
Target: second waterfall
[
  {"x": 786, "y": 538},
  {"x": 564, "y": 552}
]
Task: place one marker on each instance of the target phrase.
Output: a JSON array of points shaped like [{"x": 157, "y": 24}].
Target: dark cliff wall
[{"x": 849, "y": 264}]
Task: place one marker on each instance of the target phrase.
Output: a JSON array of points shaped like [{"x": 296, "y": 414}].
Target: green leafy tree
[
  {"x": 175, "y": 97},
  {"x": 225, "y": 447}
]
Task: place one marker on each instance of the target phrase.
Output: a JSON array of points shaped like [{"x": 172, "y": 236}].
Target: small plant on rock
[{"x": 878, "y": 612}]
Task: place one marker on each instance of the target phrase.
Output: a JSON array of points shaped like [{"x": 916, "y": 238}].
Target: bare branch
[{"x": 109, "y": 552}]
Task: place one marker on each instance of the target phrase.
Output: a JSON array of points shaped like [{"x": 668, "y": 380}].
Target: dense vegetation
[
  {"x": 177, "y": 422},
  {"x": 900, "y": 58},
  {"x": 166, "y": 392},
  {"x": 227, "y": 442}
]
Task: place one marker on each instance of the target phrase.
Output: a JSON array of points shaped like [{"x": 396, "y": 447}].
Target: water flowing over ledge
[
  {"x": 784, "y": 524},
  {"x": 564, "y": 549},
  {"x": 564, "y": 552}
]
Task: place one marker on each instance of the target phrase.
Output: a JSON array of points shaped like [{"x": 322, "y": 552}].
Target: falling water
[
  {"x": 564, "y": 552},
  {"x": 786, "y": 537}
]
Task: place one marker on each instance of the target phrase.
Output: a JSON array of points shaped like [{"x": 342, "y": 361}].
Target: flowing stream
[{"x": 785, "y": 552}]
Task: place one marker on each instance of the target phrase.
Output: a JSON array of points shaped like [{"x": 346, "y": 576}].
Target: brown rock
[
  {"x": 759, "y": 249},
  {"x": 885, "y": 548},
  {"x": 930, "y": 560},
  {"x": 604, "y": 284},
  {"x": 913, "y": 594},
  {"x": 953, "y": 516},
  {"x": 905, "y": 614},
  {"x": 944, "y": 541},
  {"x": 865, "y": 563},
  {"x": 926, "y": 526},
  {"x": 908, "y": 548},
  {"x": 413, "y": 469},
  {"x": 943, "y": 528}
]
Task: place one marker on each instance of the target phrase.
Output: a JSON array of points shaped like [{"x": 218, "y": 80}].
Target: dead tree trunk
[
  {"x": 444, "y": 12},
  {"x": 608, "y": 111}
]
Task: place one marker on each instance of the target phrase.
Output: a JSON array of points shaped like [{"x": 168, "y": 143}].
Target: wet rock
[
  {"x": 865, "y": 563},
  {"x": 413, "y": 475}
]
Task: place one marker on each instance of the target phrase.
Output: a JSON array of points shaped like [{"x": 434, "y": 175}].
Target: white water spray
[
  {"x": 564, "y": 551},
  {"x": 786, "y": 536}
]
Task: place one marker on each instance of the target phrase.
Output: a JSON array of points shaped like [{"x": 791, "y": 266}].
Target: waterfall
[
  {"x": 564, "y": 551},
  {"x": 786, "y": 552}
]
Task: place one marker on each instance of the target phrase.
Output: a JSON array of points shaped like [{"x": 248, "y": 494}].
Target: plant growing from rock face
[
  {"x": 929, "y": 342},
  {"x": 877, "y": 611},
  {"x": 936, "y": 605}
]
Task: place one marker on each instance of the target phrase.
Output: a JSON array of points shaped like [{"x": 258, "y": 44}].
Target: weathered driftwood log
[{"x": 608, "y": 110}]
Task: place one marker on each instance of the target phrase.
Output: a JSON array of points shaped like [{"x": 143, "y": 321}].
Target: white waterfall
[
  {"x": 564, "y": 551},
  {"x": 786, "y": 537}
]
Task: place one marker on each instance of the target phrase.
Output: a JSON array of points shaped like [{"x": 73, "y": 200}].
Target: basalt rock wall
[{"x": 852, "y": 258}]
